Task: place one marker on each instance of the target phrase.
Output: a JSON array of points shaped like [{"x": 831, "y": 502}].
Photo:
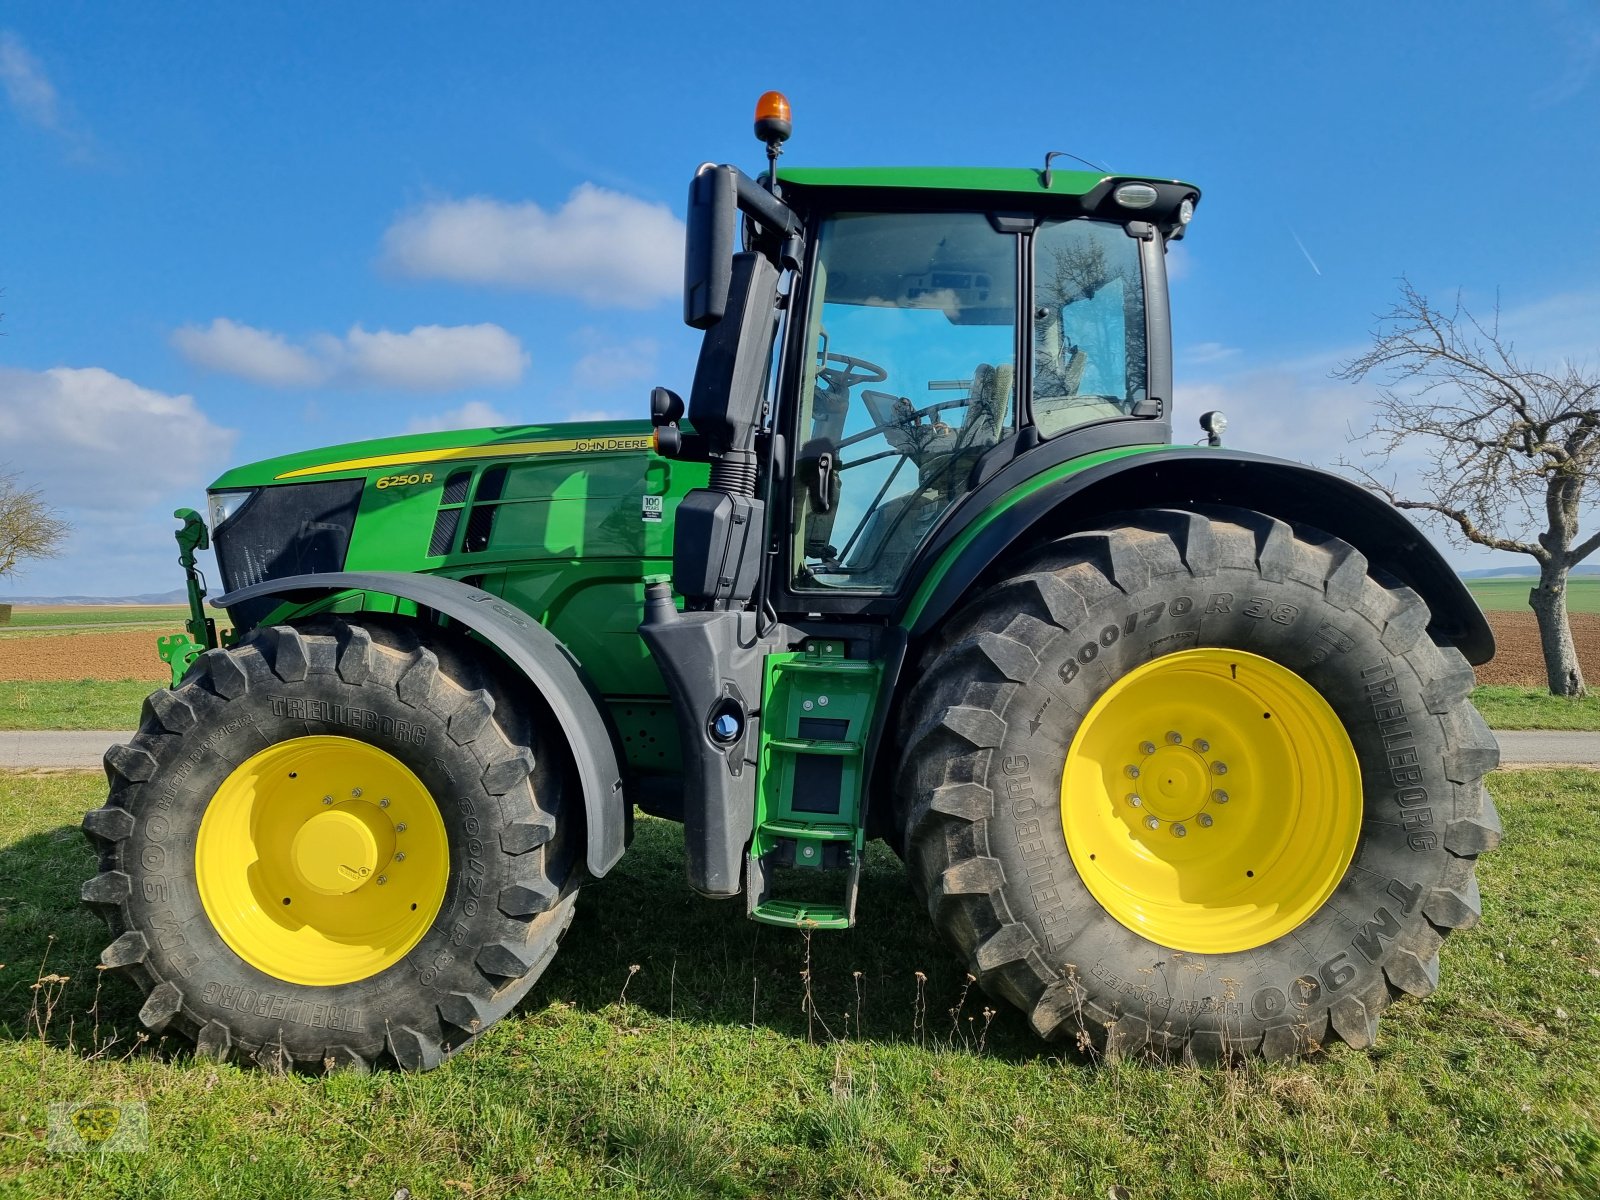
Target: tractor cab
[
  {"x": 939, "y": 325},
  {"x": 890, "y": 351},
  {"x": 907, "y": 378}
]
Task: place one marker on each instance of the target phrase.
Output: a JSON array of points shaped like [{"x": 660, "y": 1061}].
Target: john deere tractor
[{"x": 1174, "y": 740}]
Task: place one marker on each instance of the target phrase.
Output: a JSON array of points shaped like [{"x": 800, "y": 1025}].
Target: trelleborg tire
[
  {"x": 331, "y": 848},
  {"x": 1196, "y": 784}
]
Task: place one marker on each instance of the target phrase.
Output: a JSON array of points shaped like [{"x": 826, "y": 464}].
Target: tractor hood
[{"x": 382, "y": 456}]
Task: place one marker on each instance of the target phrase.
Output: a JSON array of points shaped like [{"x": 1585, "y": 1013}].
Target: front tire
[
  {"x": 1154, "y": 654},
  {"x": 329, "y": 847}
]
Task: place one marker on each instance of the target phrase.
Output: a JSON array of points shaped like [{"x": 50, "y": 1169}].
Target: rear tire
[
  {"x": 1009, "y": 704},
  {"x": 348, "y": 698}
]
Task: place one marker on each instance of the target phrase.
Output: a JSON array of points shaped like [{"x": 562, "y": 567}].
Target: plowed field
[
  {"x": 82, "y": 656},
  {"x": 1517, "y": 659},
  {"x": 133, "y": 655}
]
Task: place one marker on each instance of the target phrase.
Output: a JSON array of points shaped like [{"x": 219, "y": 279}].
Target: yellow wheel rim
[
  {"x": 322, "y": 860},
  {"x": 1211, "y": 801}
]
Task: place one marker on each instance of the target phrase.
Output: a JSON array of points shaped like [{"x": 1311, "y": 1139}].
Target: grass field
[
  {"x": 1530, "y": 708},
  {"x": 667, "y": 1052},
  {"x": 98, "y": 615},
  {"x": 1511, "y": 595},
  {"x": 79, "y": 704},
  {"x": 100, "y": 704}
]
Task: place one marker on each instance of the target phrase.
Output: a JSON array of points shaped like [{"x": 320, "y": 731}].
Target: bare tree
[
  {"x": 1510, "y": 451},
  {"x": 29, "y": 528}
]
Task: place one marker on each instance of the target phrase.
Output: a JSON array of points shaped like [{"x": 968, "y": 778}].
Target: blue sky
[{"x": 235, "y": 231}]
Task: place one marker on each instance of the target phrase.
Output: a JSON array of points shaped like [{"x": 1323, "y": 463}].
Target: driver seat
[{"x": 989, "y": 401}]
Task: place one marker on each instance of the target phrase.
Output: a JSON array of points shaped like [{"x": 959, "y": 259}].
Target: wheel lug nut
[
  {"x": 327, "y": 799},
  {"x": 356, "y": 792},
  {"x": 381, "y": 803},
  {"x": 1205, "y": 820},
  {"x": 1133, "y": 771},
  {"x": 1174, "y": 737},
  {"x": 1219, "y": 768},
  {"x": 1152, "y": 823},
  {"x": 400, "y": 828},
  {"x": 1220, "y": 796},
  {"x": 382, "y": 879},
  {"x": 1147, "y": 747},
  {"x": 1202, "y": 745},
  {"x": 401, "y": 857},
  {"x": 1134, "y": 799},
  {"x": 1178, "y": 830}
]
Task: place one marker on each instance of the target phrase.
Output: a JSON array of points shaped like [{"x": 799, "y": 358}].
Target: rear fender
[
  {"x": 531, "y": 649},
  {"x": 1183, "y": 477}
]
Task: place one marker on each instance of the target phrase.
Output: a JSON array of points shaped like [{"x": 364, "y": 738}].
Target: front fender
[
  {"x": 533, "y": 650},
  {"x": 1069, "y": 498}
]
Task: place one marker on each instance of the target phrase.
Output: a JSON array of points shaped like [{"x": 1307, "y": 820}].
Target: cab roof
[
  {"x": 1069, "y": 194},
  {"x": 1019, "y": 181}
]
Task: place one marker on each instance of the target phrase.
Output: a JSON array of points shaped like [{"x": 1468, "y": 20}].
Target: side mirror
[
  {"x": 666, "y": 406},
  {"x": 708, "y": 248}
]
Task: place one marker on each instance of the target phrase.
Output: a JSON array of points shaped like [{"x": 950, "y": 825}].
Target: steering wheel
[
  {"x": 905, "y": 417},
  {"x": 856, "y": 371}
]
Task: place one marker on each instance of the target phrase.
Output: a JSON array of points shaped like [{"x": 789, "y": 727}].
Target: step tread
[
  {"x": 828, "y": 666},
  {"x": 798, "y": 915},
  {"x": 815, "y": 746},
  {"x": 829, "y": 831}
]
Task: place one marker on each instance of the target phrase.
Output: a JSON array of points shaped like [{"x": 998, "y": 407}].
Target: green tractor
[{"x": 1174, "y": 740}]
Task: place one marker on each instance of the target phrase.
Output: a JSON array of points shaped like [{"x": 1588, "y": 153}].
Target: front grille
[{"x": 289, "y": 529}]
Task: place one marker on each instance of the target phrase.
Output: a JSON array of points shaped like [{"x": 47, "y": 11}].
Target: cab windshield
[{"x": 909, "y": 379}]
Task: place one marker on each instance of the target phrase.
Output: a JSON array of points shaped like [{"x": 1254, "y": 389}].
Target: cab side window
[{"x": 1088, "y": 324}]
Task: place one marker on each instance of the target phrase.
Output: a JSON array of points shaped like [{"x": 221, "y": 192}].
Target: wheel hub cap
[
  {"x": 322, "y": 860},
  {"x": 1182, "y": 783},
  {"x": 336, "y": 851},
  {"x": 1211, "y": 800}
]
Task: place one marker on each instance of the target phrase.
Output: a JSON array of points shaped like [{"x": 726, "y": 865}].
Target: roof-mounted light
[
  {"x": 1186, "y": 210},
  {"x": 773, "y": 122},
  {"x": 1135, "y": 195}
]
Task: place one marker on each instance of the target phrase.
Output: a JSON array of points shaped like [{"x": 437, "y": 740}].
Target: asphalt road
[{"x": 83, "y": 750}]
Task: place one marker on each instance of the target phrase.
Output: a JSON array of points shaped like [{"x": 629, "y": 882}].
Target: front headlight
[{"x": 222, "y": 505}]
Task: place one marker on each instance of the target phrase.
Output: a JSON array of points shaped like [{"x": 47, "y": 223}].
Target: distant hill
[
  {"x": 1522, "y": 572},
  {"x": 176, "y": 596}
]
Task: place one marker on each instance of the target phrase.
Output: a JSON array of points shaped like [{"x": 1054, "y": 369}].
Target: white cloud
[
  {"x": 1207, "y": 353},
  {"x": 610, "y": 363},
  {"x": 430, "y": 358},
  {"x": 433, "y": 358},
  {"x": 27, "y": 87},
  {"x": 474, "y": 414},
  {"x": 1179, "y": 262},
  {"x": 1578, "y": 31},
  {"x": 115, "y": 459},
  {"x": 253, "y": 354},
  {"x": 604, "y": 247},
  {"x": 99, "y": 441},
  {"x": 32, "y": 96}
]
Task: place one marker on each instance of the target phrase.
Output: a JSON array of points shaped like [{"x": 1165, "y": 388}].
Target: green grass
[
  {"x": 108, "y": 615},
  {"x": 103, "y": 704},
  {"x": 76, "y": 704},
  {"x": 1535, "y": 708},
  {"x": 1511, "y": 595},
  {"x": 705, "y": 1080}
]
